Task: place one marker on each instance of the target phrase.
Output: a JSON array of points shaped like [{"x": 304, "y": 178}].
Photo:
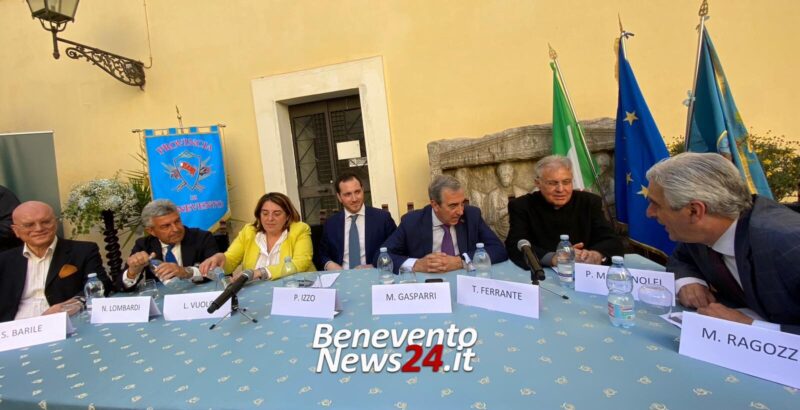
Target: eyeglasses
[
  {"x": 555, "y": 184},
  {"x": 30, "y": 226}
]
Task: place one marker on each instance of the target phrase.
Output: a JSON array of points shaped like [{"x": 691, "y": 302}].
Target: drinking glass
[
  {"x": 654, "y": 301},
  {"x": 407, "y": 275},
  {"x": 302, "y": 280},
  {"x": 148, "y": 287}
]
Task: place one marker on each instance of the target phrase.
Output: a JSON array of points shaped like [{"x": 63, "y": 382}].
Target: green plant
[{"x": 779, "y": 157}]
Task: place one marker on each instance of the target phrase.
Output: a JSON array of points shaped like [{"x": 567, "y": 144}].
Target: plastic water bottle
[
  {"x": 288, "y": 267},
  {"x": 620, "y": 296},
  {"x": 93, "y": 289},
  {"x": 219, "y": 276},
  {"x": 565, "y": 258},
  {"x": 482, "y": 262},
  {"x": 154, "y": 264},
  {"x": 385, "y": 267}
]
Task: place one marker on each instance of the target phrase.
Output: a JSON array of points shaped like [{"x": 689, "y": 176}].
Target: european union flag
[
  {"x": 716, "y": 123},
  {"x": 638, "y": 146},
  {"x": 187, "y": 167}
]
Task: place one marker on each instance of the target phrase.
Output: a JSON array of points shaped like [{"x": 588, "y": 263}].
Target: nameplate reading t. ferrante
[
  {"x": 136, "y": 309},
  {"x": 498, "y": 295},
  {"x": 193, "y": 306},
  {"x": 765, "y": 353},
  {"x": 33, "y": 331},
  {"x": 411, "y": 298}
]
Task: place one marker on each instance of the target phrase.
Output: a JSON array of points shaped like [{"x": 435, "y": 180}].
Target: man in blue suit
[
  {"x": 735, "y": 248},
  {"x": 435, "y": 238},
  {"x": 344, "y": 247}
]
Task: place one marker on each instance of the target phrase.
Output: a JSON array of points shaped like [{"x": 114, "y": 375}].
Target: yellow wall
[{"x": 452, "y": 69}]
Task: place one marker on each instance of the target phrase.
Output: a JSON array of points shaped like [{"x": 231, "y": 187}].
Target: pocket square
[{"x": 67, "y": 270}]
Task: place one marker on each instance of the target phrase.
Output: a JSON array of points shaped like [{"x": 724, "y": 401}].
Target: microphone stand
[
  {"x": 537, "y": 275},
  {"x": 234, "y": 308}
]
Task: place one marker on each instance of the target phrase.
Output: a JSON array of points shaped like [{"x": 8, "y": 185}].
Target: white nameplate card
[
  {"x": 509, "y": 297},
  {"x": 768, "y": 354},
  {"x": 592, "y": 279},
  {"x": 411, "y": 298},
  {"x": 137, "y": 309},
  {"x": 33, "y": 331},
  {"x": 192, "y": 306},
  {"x": 326, "y": 280},
  {"x": 304, "y": 302}
]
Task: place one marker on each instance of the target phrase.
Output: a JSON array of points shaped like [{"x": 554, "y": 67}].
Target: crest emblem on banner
[{"x": 188, "y": 168}]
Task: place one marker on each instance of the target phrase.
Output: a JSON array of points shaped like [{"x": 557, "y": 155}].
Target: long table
[{"x": 570, "y": 358}]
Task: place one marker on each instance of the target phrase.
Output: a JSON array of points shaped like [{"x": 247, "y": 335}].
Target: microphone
[
  {"x": 537, "y": 273},
  {"x": 230, "y": 291}
]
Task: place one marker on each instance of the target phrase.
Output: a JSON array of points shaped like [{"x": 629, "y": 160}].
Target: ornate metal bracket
[{"x": 124, "y": 69}]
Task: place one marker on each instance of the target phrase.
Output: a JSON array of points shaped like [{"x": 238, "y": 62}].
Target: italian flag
[{"x": 568, "y": 138}]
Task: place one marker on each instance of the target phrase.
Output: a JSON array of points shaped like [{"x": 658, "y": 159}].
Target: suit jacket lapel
[
  {"x": 462, "y": 237},
  {"x": 187, "y": 249},
  {"x": 369, "y": 234},
  {"x": 426, "y": 237},
  {"x": 60, "y": 258}
]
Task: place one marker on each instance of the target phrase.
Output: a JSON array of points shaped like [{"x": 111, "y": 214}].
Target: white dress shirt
[
  {"x": 266, "y": 256},
  {"x": 176, "y": 251},
  {"x": 34, "y": 302}
]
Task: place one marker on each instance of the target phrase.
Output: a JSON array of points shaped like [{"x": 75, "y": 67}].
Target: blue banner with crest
[{"x": 187, "y": 167}]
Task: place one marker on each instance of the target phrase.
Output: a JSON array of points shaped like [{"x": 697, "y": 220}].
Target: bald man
[{"x": 44, "y": 274}]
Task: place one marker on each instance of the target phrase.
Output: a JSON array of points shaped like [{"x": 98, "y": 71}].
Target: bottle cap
[
  {"x": 91, "y": 275},
  {"x": 287, "y": 259},
  {"x": 384, "y": 249},
  {"x": 617, "y": 259},
  {"x": 479, "y": 245},
  {"x": 564, "y": 237}
]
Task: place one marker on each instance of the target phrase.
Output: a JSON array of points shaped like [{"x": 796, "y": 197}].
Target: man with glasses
[
  {"x": 46, "y": 273},
  {"x": 555, "y": 209}
]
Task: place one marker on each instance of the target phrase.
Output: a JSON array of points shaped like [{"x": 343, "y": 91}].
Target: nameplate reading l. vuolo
[
  {"x": 765, "y": 353},
  {"x": 136, "y": 309},
  {"x": 33, "y": 331},
  {"x": 192, "y": 306},
  {"x": 411, "y": 298}
]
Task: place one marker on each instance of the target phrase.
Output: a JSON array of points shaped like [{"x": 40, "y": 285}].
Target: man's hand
[
  {"x": 166, "y": 271},
  {"x": 333, "y": 266},
  {"x": 695, "y": 295},
  {"x": 367, "y": 266},
  {"x": 137, "y": 262},
  {"x": 587, "y": 256},
  {"x": 721, "y": 311},
  {"x": 71, "y": 306},
  {"x": 213, "y": 261},
  {"x": 437, "y": 262}
]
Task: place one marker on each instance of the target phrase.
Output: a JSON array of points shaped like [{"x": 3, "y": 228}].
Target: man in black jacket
[
  {"x": 542, "y": 216},
  {"x": 8, "y": 201},
  {"x": 179, "y": 248}
]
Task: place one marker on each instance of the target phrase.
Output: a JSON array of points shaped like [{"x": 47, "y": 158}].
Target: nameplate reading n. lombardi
[
  {"x": 765, "y": 353},
  {"x": 136, "y": 309},
  {"x": 509, "y": 297},
  {"x": 411, "y": 298},
  {"x": 33, "y": 331},
  {"x": 193, "y": 306}
]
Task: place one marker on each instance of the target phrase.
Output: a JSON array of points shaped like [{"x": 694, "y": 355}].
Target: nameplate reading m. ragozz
[
  {"x": 411, "y": 298},
  {"x": 192, "y": 306},
  {"x": 509, "y": 297},
  {"x": 136, "y": 309},
  {"x": 592, "y": 279},
  {"x": 765, "y": 353},
  {"x": 33, "y": 331},
  {"x": 304, "y": 302}
]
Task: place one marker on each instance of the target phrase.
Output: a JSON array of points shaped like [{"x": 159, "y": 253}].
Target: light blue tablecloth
[{"x": 570, "y": 358}]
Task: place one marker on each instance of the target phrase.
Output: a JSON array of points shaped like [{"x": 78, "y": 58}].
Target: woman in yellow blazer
[{"x": 276, "y": 233}]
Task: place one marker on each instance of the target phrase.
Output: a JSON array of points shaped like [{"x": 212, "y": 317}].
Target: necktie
[
  {"x": 169, "y": 256},
  {"x": 354, "y": 245},
  {"x": 447, "y": 241},
  {"x": 729, "y": 289}
]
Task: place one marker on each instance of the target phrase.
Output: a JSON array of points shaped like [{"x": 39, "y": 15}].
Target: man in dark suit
[
  {"x": 8, "y": 201},
  {"x": 177, "y": 247},
  {"x": 736, "y": 248},
  {"x": 44, "y": 274},
  {"x": 434, "y": 238},
  {"x": 555, "y": 209},
  {"x": 344, "y": 247}
]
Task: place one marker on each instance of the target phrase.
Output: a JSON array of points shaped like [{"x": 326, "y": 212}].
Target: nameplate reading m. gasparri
[
  {"x": 33, "y": 331},
  {"x": 411, "y": 298},
  {"x": 136, "y": 309},
  {"x": 509, "y": 297},
  {"x": 765, "y": 353},
  {"x": 304, "y": 302},
  {"x": 192, "y": 306}
]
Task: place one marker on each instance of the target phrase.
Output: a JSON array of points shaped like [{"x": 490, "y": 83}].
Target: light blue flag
[
  {"x": 638, "y": 146},
  {"x": 188, "y": 169},
  {"x": 716, "y": 123}
]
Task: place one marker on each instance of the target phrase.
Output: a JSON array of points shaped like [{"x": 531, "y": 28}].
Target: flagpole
[
  {"x": 554, "y": 57},
  {"x": 703, "y": 13}
]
